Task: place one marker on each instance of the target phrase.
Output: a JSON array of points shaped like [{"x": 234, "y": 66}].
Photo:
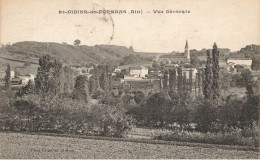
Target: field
[{"x": 17, "y": 145}]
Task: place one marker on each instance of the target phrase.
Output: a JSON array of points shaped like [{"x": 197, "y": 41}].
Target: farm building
[{"x": 139, "y": 71}]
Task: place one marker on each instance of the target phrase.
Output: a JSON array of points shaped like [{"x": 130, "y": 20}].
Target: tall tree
[
  {"x": 199, "y": 82},
  {"x": 165, "y": 80},
  {"x": 8, "y": 78},
  {"x": 69, "y": 81},
  {"x": 171, "y": 80},
  {"x": 184, "y": 83},
  {"x": 8, "y": 85},
  {"x": 179, "y": 82},
  {"x": 174, "y": 79},
  {"x": 57, "y": 77},
  {"x": 104, "y": 80},
  {"x": 190, "y": 81},
  {"x": 81, "y": 91},
  {"x": 42, "y": 80},
  {"x": 207, "y": 91},
  {"x": 215, "y": 72},
  {"x": 250, "y": 111}
]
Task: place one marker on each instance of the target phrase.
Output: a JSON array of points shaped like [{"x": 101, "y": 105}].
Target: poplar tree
[
  {"x": 174, "y": 79},
  {"x": 8, "y": 78},
  {"x": 184, "y": 83},
  {"x": 42, "y": 80},
  {"x": 215, "y": 72},
  {"x": 207, "y": 91},
  {"x": 179, "y": 82},
  {"x": 171, "y": 80},
  {"x": 81, "y": 89},
  {"x": 199, "y": 82},
  {"x": 165, "y": 80},
  {"x": 8, "y": 85},
  {"x": 68, "y": 80},
  {"x": 57, "y": 79},
  {"x": 190, "y": 81}
]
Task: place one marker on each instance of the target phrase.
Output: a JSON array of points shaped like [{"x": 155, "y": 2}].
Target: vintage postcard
[{"x": 127, "y": 79}]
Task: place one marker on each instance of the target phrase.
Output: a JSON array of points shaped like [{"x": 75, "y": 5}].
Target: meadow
[{"x": 20, "y": 145}]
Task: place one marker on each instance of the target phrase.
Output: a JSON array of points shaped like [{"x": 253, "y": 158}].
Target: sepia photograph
[{"x": 128, "y": 79}]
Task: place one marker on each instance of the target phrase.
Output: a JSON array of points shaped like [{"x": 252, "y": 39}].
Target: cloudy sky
[{"x": 231, "y": 23}]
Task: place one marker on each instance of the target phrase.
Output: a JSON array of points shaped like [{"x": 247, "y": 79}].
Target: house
[
  {"x": 245, "y": 62},
  {"x": 139, "y": 71},
  {"x": 26, "y": 78},
  {"x": 117, "y": 70},
  {"x": 131, "y": 77},
  {"x": 186, "y": 72},
  {"x": 144, "y": 85},
  {"x": 2, "y": 74},
  {"x": 16, "y": 81},
  {"x": 256, "y": 75},
  {"x": 171, "y": 66}
]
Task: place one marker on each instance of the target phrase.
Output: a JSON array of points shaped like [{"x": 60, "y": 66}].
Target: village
[{"x": 147, "y": 77}]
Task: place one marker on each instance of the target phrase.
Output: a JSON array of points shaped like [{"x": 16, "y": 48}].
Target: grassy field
[{"x": 17, "y": 145}]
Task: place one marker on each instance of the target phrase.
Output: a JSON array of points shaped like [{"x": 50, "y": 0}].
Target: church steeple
[
  {"x": 187, "y": 51},
  {"x": 186, "y": 45}
]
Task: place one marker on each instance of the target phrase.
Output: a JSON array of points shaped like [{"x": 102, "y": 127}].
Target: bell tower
[{"x": 187, "y": 51}]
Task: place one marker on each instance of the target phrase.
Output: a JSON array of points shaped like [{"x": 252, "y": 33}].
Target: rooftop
[
  {"x": 237, "y": 58},
  {"x": 137, "y": 67},
  {"x": 16, "y": 79}
]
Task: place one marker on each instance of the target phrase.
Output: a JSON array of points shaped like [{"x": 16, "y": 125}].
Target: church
[
  {"x": 178, "y": 58},
  {"x": 183, "y": 57}
]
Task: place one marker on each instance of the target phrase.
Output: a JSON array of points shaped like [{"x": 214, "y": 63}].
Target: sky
[{"x": 231, "y": 24}]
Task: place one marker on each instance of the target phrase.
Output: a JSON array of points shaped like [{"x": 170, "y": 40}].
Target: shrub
[{"x": 234, "y": 138}]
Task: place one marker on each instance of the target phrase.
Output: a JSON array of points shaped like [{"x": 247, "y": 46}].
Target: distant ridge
[{"x": 70, "y": 54}]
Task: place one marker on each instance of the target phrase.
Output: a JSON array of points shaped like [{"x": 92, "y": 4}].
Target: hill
[
  {"x": 20, "y": 54},
  {"x": 70, "y": 54}
]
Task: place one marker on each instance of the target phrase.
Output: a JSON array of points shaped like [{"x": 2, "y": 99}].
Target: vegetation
[
  {"x": 46, "y": 107},
  {"x": 81, "y": 147},
  {"x": 62, "y": 101}
]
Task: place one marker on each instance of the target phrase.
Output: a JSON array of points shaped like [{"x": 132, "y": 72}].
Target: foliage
[
  {"x": 7, "y": 78},
  {"x": 138, "y": 97},
  {"x": 77, "y": 42},
  {"x": 205, "y": 115},
  {"x": 172, "y": 80},
  {"x": 234, "y": 138},
  {"x": 28, "y": 89},
  {"x": 256, "y": 63},
  {"x": 156, "y": 108},
  {"x": 81, "y": 91},
  {"x": 195, "y": 62},
  {"x": 207, "y": 91},
  {"x": 225, "y": 79},
  {"x": 165, "y": 80},
  {"x": 230, "y": 113},
  {"x": 111, "y": 120},
  {"x": 42, "y": 80},
  {"x": 155, "y": 65},
  {"x": 215, "y": 71},
  {"x": 250, "y": 112}
]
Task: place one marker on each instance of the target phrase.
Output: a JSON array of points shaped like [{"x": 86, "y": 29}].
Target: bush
[
  {"x": 234, "y": 138},
  {"x": 111, "y": 120},
  {"x": 59, "y": 114}
]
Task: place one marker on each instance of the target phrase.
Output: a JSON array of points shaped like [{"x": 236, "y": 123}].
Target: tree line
[{"x": 60, "y": 101}]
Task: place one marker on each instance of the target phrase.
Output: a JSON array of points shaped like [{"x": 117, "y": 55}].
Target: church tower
[{"x": 187, "y": 51}]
